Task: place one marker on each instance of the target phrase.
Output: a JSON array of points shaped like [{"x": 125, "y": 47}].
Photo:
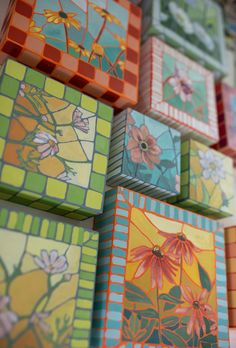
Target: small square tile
[
  {"x": 177, "y": 91},
  {"x": 47, "y": 283},
  {"x": 52, "y": 139},
  {"x": 230, "y": 253},
  {"x": 155, "y": 263},
  {"x": 207, "y": 181},
  {"x": 226, "y": 105},
  {"x": 180, "y": 24},
  {"x": 144, "y": 155},
  {"x": 61, "y": 37}
]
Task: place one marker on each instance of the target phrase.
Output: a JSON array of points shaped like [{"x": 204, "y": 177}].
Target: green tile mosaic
[{"x": 51, "y": 138}]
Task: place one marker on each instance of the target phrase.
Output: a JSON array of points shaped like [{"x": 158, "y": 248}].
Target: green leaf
[
  {"x": 205, "y": 280},
  {"x": 170, "y": 299},
  {"x": 170, "y": 321},
  {"x": 182, "y": 332},
  {"x": 135, "y": 294},
  {"x": 209, "y": 339},
  {"x": 173, "y": 338},
  {"x": 148, "y": 313},
  {"x": 167, "y": 164},
  {"x": 206, "y": 196},
  {"x": 135, "y": 324},
  {"x": 174, "y": 292}
]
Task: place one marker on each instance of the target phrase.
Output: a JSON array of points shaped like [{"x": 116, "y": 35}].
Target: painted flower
[
  {"x": 97, "y": 50},
  {"x": 58, "y": 17},
  {"x": 178, "y": 245},
  {"x": 39, "y": 320},
  {"x": 79, "y": 122},
  {"x": 181, "y": 17},
  {"x": 198, "y": 308},
  {"x": 121, "y": 64},
  {"x": 22, "y": 90},
  {"x": 143, "y": 147},
  {"x": 203, "y": 36},
  {"x": 7, "y": 318},
  {"x": 177, "y": 183},
  {"x": 64, "y": 177},
  {"x": 212, "y": 166},
  {"x": 155, "y": 259},
  {"x": 36, "y": 31},
  {"x": 51, "y": 262},
  {"x": 79, "y": 48},
  {"x": 47, "y": 144},
  {"x": 182, "y": 85},
  {"x": 122, "y": 42},
  {"x": 105, "y": 14}
]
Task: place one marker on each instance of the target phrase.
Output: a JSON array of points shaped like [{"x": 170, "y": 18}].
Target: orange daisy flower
[
  {"x": 199, "y": 308},
  {"x": 155, "y": 259},
  {"x": 105, "y": 14},
  {"x": 58, "y": 17},
  {"x": 79, "y": 48},
  {"x": 178, "y": 245},
  {"x": 36, "y": 31}
]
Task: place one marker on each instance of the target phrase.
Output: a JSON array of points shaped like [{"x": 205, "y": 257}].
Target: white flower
[
  {"x": 79, "y": 122},
  {"x": 203, "y": 36},
  {"x": 51, "y": 262},
  {"x": 47, "y": 144},
  {"x": 7, "y": 318},
  {"x": 212, "y": 166},
  {"x": 181, "y": 17},
  {"x": 64, "y": 177},
  {"x": 21, "y": 91},
  {"x": 182, "y": 85},
  {"x": 39, "y": 319}
]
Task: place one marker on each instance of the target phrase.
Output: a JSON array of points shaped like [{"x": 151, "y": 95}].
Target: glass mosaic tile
[
  {"x": 177, "y": 91},
  {"x": 54, "y": 144},
  {"x": 161, "y": 278},
  {"x": 207, "y": 181},
  {"x": 195, "y": 27},
  {"x": 144, "y": 155},
  {"x": 48, "y": 273},
  {"x": 90, "y": 45}
]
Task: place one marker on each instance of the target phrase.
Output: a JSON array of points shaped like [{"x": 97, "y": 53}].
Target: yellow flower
[
  {"x": 36, "y": 31},
  {"x": 121, "y": 41},
  {"x": 79, "y": 48},
  {"x": 62, "y": 17},
  {"x": 97, "y": 49},
  {"x": 105, "y": 14}
]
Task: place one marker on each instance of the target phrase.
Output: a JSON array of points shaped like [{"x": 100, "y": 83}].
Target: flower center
[
  {"x": 196, "y": 305},
  {"x": 182, "y": 237},
  {"x": 106, "y": 13},
  {"x": 143, "y": 146},
  {"x": 157, "y": 251},
  {"x": 51, "y": 142},
  {"x": 186, "y": 87},
  {"x": 62, "y": 14}
]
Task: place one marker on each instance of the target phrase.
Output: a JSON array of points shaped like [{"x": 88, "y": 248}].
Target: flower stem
[
  {"x": 159, "y": 321},
  {"x": 181, "y": 270},
  {"x": 98, "y": 37}
]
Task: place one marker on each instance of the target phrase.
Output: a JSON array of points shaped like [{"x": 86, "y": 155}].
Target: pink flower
[
  {"x": 182, "y": 85},
  {"x": 7, "y": 318},
  {"x": 47, "y": 144},
  {"x": 143, "y": 147},
  {"x": 199, "y": 310},
  {"x": 155, "y": 259},
  {"x": 51, "y": 262},
  {"x": 177, "y": 183},
  {"x": 79, "y": 122},
  {"x": 178, "y": 245}
]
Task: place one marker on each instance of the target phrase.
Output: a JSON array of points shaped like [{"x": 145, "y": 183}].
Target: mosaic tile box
[
  {"x": 90, "y": 45},
  {"x": 226, "y": 105},
  {"x": 177, "y": 91},
  {"x": 207, "y": 181},
  {"x": 47, "y": 282},
  {"x": 195, "y": 27},
  {"x": 144, "y": 155},
  {"x": 161, "y": 276},
  {"x": 54, "y": 144},
  {"x": 230, "y": 249}
]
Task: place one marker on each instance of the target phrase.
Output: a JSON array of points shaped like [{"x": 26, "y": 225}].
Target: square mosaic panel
[
  {"x": 144, "y": 155},
  {"x": 230, "y": 250},
  {"x": 207, "y": 181},
  {"x": 90, "y": 45},
  {"x": 177, "y": 91},
  {"x": 54, "y": 144},
  {"x": 226, "y": 105},
  {"x": 47, "y": 282},
  {"x": 195, "y": 27},
  {"x": 161, "y": 276}
]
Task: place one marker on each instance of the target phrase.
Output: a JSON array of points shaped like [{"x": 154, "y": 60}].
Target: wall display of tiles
[
  {"x": 161, "y": 276},
  {"x": 196, "y": 27},
  {"x": 144, "y": 155},
  {"x": 230, "y": 249},
  {"x": 54, "y": 144},
  {"x": 177, "y": 91},
  {"x": 90, "y": 45},
  {"x": 226, "y": 105},
  {"x": 47, "y": 282},
  {"x": 207, "y": 181}
]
